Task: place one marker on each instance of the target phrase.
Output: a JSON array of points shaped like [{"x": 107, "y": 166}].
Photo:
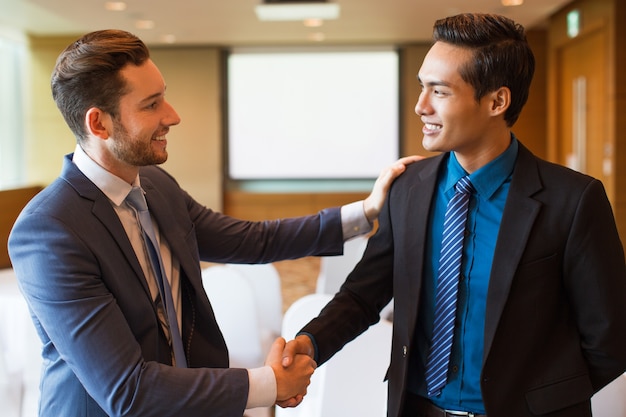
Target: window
[{"x": 12, "y": 67}]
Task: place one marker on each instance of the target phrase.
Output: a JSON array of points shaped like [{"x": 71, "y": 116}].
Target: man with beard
[{"x": 102, "y": 296}]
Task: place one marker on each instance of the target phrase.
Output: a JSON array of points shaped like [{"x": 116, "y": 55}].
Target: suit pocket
[
  {"x": 539, "y": 266},
  {"x": 561, "y": 395}
]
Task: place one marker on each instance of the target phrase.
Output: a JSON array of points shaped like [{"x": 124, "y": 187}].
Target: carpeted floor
[{"x": 298, "y": 278}]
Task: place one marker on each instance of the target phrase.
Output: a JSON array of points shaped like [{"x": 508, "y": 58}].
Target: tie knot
[
  {"x": 464, "y": 185},
  {"x": 136, "y": 199}
]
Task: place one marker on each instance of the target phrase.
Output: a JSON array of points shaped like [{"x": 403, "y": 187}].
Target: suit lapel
[
  {"x": 416, "y": 218},
  {"x": 105, "y": 213},
  {"x": 167, "y": 219},
  {"x": 520, "y": 213}
]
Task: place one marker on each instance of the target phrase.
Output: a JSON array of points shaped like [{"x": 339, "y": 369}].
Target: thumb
[
  {"x": 276, "y": 351},
  {"x": 289, "y": 353}
]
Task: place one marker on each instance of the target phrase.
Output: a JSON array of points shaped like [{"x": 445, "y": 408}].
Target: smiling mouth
[
  {"x": 160, "y": 138},
  {"x": 432, "y": 128}
]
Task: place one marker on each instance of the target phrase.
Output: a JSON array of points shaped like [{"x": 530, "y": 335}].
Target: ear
[
  {"x": 98, "y": 123},
  {"x": 500, "y": 101}
]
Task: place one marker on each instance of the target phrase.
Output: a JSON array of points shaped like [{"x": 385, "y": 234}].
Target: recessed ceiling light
[
  {"x": 144, "y": 24},
  {"x": 313, "y": 23},
  {"x": 115, "y": 6},
  {"x": 169, "y": 38},
  {"x": 297, "y": 11},
  {"x": 512, "y": 2}
]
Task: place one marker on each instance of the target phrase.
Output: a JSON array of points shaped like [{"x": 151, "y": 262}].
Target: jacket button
[{"x": 404, "y": 350}]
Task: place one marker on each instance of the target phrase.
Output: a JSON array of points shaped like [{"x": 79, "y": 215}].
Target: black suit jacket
[
  {"x": 555, "y": 328},
  {"x": 103, "y": 346}
]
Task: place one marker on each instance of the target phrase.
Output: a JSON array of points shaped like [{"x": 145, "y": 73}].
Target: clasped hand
[{"x": 293, "y": 366}]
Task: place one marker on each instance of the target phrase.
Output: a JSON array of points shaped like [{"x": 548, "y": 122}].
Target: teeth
[
  {"x": 432, "y": 127},
  {"x": 160, "y": 138}
]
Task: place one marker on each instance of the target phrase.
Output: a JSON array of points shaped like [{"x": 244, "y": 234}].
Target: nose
[
  {"x": 172, "y": 118},
  {"x": 422, "y": 107}
]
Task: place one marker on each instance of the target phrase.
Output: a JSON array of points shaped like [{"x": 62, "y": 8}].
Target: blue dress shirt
[{"x": 491, "y": 183}]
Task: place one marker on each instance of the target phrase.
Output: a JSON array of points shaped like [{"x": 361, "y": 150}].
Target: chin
[
  {"x": 159, "y": 158},
  {"x": 429, "y": 144}
]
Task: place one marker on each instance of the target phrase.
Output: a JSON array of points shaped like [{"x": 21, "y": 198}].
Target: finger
[
  {"x": 290, "y": 403},
  {"x": 289, "y": 352},
  {"x": 410, "y": 159},
  {"x": 400, "y": 165}
]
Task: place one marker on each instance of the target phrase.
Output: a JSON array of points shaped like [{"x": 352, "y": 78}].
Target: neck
[
  {"x": 116, "y": 167},
  {"x": 475, "y": 159}
]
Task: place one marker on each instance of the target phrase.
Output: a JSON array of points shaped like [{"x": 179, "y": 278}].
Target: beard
[{"x": 133, "y": 151}]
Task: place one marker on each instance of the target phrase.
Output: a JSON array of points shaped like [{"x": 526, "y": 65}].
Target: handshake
[{"x": 293, "y": 366}]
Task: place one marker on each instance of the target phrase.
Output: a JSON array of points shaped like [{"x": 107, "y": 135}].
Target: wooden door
[{"x": 583, "y": 142}]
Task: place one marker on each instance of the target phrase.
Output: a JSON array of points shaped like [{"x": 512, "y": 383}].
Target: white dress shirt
[{"x": 262, "y": 391}]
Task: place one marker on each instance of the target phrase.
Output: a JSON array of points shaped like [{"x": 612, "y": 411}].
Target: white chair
[
  {"x": 20, "y": 352},
  {"x": 610, "y": 401},
  {"x": 335, "y": 269},
  {"x": 351, "y": 382},
  {"x": 235, "y": 306},
  {"x": 235, "y": 310},
  {"x": 298, "y": 314},
  {"x": 265, "y": 283}
]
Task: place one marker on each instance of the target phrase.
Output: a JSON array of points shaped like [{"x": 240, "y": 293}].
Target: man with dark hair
[
  {"x": 509, "y": 288},
  {"x": 108, "y": 256}
]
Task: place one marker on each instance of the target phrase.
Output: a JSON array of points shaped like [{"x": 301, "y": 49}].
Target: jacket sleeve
[
  {"x": 224, "y": 239},
  {"x": 357, "y": 305},
  {"x": 595, "y": 278}
]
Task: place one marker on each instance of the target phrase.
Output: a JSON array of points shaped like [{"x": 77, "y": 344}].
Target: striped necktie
[
  {"x": 447, "y": 287},
  {"x": 137, "y": 200}
]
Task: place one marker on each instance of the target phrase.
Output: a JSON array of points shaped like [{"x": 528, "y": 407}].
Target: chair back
[
  {"x": 335, "y": 269},
  {"x": 352, "y": 382},
  {"x": 234, "y": 305}
]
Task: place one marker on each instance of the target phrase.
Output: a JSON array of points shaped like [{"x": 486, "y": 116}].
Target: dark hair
[
  {"x": 86, "y": 74},
  {"x": 502, "y": 56}
]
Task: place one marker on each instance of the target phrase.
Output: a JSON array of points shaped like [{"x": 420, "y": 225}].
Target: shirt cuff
[
  {"x": 263, "y": 389},
  {"x": 353, "y": 220}
]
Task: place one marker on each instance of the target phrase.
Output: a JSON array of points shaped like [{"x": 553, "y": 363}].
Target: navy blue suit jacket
[{"x": 103, "y": 348}]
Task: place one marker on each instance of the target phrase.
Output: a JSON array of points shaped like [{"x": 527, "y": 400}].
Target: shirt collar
[
  {"x": 115, "y": 188},
  {"x": 488, "y": 178}
]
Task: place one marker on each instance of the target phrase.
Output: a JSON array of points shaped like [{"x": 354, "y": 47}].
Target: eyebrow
[
  {"x": 433, "y": 83},
  {"x": 154, "y": 96}
]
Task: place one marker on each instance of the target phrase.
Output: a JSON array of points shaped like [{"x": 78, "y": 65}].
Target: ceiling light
[
  {"x": 313, "y": 23},
  {"x": 169, "y": 38},
  {"x": 297, "y": 11},
  {"x": 115, "y": 6},
  {"x": 512, "y": 2},
  {"x": 144, "y": 24}
]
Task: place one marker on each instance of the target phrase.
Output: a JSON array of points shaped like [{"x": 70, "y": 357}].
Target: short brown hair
[{"x": 86, "y": 74}]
